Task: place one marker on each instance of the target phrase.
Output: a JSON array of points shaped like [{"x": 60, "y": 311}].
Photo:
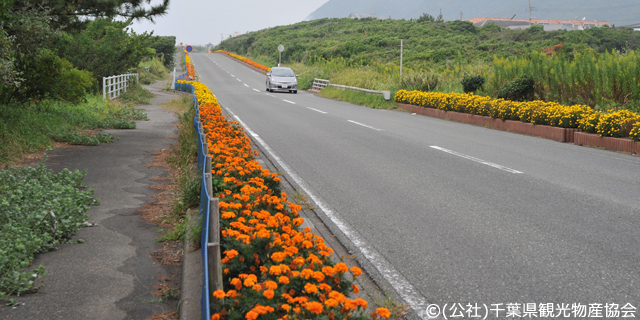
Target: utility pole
[
  {"x": 221, "y": 37},
  {"x": 401, "y": 49},
  {"x": 460, "y": 15},
  {"x": 529, "y": 12}
]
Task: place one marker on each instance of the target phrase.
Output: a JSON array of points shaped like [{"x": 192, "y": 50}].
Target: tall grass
[
  {"x": 600, "y": 80},
  {"x": 28, "y": 127}
]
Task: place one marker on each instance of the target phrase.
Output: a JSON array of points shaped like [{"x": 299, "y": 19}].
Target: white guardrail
[
  {"x": 319, "y": 84},
  {"x": 114, "y": 85}
]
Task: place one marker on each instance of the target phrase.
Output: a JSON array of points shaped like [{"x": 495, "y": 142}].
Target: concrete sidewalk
[{"x": 110, "y": 275}]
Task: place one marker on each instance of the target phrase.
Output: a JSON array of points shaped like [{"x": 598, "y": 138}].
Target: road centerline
[
  {"x": 491, "y": 164},
  {"x": 316, "y": 110},
  {"x": 364, "y": 125}
]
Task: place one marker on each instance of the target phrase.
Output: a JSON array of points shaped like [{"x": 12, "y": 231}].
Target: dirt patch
[
  {"x": 170, "y": 315},
  {"x": 159, "y": 211},
  {"x": 170, "y": 254}
]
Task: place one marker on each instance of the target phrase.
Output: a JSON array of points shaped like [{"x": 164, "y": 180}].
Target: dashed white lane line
[
  {"x": 232, "y": 75},
  {"x": 364, "y": 125},
  {"x": 316, "y": 110},
  {"x": 256, "y": 90},
  {"x": 246, "y": 85},
  {"x": 497, "y": 166},
  {"x": 270, "y": 95},
  {"x": 288, "y": 101},
  {"x": 401, "y": 285},
  {"x": 238, "y": 79}
]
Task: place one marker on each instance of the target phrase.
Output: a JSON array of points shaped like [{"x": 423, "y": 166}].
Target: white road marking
[
  {"x": 399, "y": 283},
  {"x": 497, "y": 166},
  {"x": 288, "y": 101},
  {"x": 316, "y": 110},
  {"x": 256, "y": 90},
  {"x": 238, "y": 79},
  {"x": 364, "y": 125},
  {"x": 270, "y": 95},
  {"x": 246, "y": 85},
  {"x": 232, "y": 75}
]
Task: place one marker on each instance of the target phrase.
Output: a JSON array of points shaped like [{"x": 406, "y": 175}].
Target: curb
[{"x": 192, "y": 272}]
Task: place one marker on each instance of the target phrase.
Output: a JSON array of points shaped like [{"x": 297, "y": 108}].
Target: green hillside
[
  {"x": 426, "y": 42},
  {"x": 618, "y": 12}
]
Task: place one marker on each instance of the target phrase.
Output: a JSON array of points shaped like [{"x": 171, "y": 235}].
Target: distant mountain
[{"x": 618, "y": 12}]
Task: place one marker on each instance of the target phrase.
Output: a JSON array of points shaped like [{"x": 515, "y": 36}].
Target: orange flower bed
[
  {"x": 245, "y": 60},
  {"x": 189, "y": 65},
  {"x": 272, "y": 268}
]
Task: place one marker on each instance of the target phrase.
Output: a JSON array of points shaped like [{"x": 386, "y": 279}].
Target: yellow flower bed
[{"x": 608, "y": 124}]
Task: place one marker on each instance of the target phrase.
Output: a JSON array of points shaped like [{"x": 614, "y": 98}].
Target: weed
[
  {"x": 301, "y": 199},
  {"x": 397, "y": 309},
  {"x": 361, "y": 98},
  {"x": 28, "y": 227}
]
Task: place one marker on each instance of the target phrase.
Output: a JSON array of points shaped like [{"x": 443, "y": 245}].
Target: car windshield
[{"x": 282, "y": 73}]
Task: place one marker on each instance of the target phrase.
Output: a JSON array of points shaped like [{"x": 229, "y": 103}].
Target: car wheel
[{"x": 295, "y": 91}]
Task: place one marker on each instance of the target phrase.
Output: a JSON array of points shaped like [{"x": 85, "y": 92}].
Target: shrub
[
  {"x": 472, "y": 83},
  {"x": 520, "y": 89}
]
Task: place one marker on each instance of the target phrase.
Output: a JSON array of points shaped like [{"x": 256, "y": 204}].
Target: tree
[
  {"x": 74, "y": 15},
  {"x": 165, "y": 47},
  {"x": 106, "y": 47}
]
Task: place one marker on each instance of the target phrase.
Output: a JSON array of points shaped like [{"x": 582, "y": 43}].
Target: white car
[{"x": 282, "y": 79}]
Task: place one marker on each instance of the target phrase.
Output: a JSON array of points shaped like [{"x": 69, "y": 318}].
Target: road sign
[
  {"x": 189, "y": 48},
  {"x": 180, "y": 43},
  {"x": 280, "y": 48}
]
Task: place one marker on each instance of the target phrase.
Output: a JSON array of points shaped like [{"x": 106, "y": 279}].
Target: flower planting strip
[
  {"x": 305, "y": 251},
  {"x": 570, "y": 135}
]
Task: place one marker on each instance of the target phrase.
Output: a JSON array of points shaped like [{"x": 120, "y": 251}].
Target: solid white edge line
[
  {"x": 399, "y": 283},
  {"x": 364, "y": 125},
  {"x": 316, "y": 110},
  {"x": 491, "y": 164},
  {"x": 288, "y": 101}
]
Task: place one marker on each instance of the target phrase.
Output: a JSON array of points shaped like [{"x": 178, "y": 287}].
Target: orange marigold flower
[
  {"x": 219, "y": 294},
  {"x": 215, "y": 317},
  {"x": 324, "y": 287},
  {"x": 338, "y": 296},
  {"x": 356, "y": 271},
  {"x": 232, "y": 294},
  {"x": 257, "y": 287},
  {"x": 306, "y": 273},
  {"x": 252, "y": 315},
  {"x": 318, "y": 276},
  {"x": 274, "y": 270},
  {"x": 250, "y": 280},
  {"x": 231, "y": 253},
  {"x": 361, "y": 302},
  {"x": 285, "y": 307},
  {"x": 310, "y": 288},
  {"x": 328, "y": 271},
  {"x": 341, "y": 267},
  {"x": 355, "y": 288},
  {"x": 383, "y": 312},
  {"x": 272, "y": 285},
  {"x": 237, "y": 283},
  {"x": 268, "y": 294},
  {"x": 331, "y": 303},
  {"x": 283, "y": 280},
  {"x": 314, "y": 307}
]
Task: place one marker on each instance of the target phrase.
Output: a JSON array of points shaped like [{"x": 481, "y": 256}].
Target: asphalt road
[{"x": 447, "y": 212}]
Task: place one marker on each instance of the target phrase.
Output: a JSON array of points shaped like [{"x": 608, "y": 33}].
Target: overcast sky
[{"x": 198, "y": 22}]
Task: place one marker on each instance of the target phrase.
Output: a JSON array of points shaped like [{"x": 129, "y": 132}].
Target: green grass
[
  {"x": 375, "y": 101},
  {"x": 29, "y": 127}
]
